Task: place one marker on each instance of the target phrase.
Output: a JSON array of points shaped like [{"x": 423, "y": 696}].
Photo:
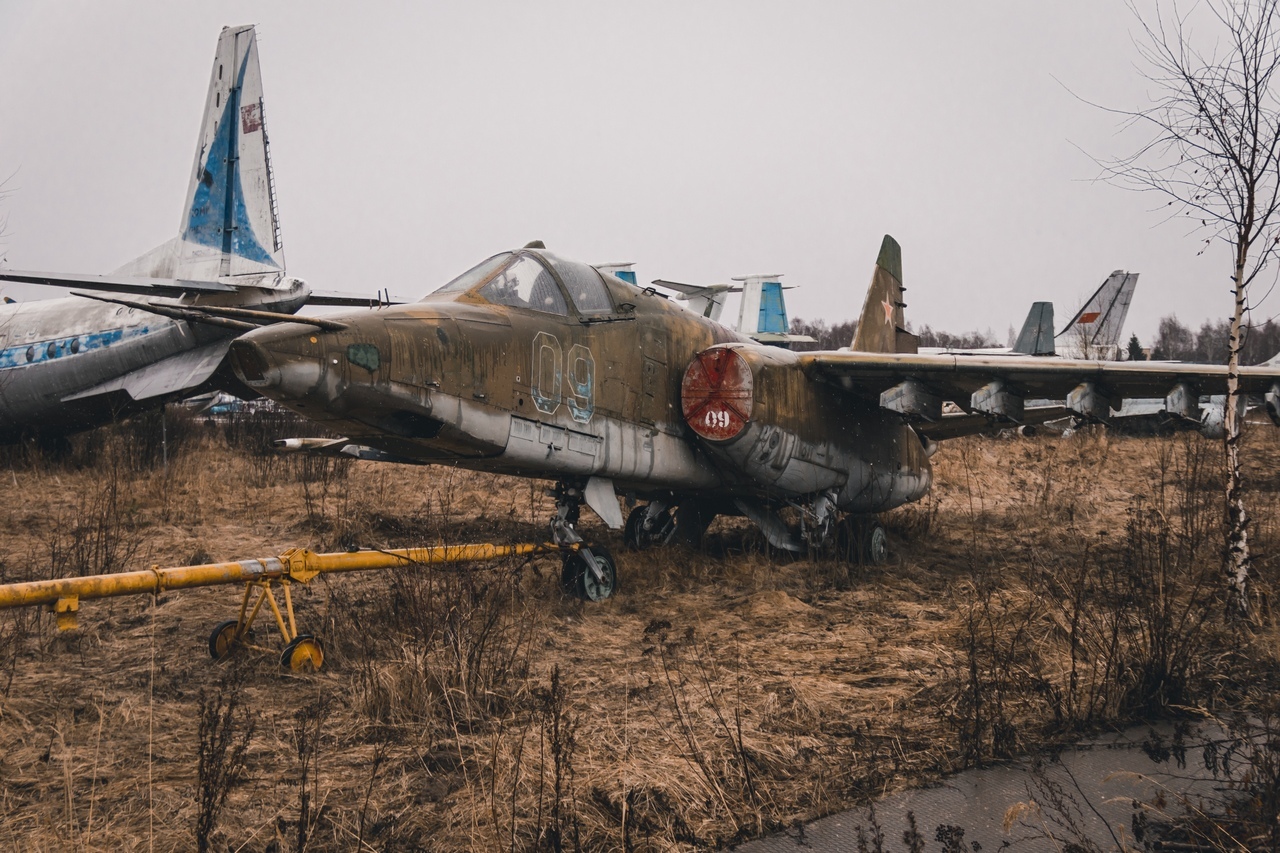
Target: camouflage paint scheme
[
  {"x": 667, "y": 405},
  {"x": 465, "y": 382}
]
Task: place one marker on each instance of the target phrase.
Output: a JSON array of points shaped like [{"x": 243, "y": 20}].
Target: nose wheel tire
[{"x": 579, "y": 580}]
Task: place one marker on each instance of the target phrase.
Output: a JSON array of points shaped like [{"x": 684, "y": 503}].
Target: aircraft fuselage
[
  {"x": 71, "y": 364},
  {"x": 458, "y": 380}
]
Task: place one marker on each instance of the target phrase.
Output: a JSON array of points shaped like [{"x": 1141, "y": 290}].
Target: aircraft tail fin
[
  {"x": 230, "y": 224},
  {"x": 762, "y": 309},
  {"x": 881, "y": 327},
  {"x": 1095, "y": 329},
  {"x": 1036, "y": 337}
]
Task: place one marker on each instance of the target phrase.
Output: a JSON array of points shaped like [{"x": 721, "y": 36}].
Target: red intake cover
[{"x": 716, "y": 394}]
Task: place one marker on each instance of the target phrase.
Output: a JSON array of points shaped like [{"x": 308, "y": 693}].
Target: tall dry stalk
[{"x": 1213, "y": 149}]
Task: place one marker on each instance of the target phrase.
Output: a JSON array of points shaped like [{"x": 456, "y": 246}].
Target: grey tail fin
[
  {"x": 882, "y": 328},
  {"x": 1036, "y": 337}
]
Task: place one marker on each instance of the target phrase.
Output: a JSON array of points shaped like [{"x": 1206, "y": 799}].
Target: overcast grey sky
[{"x": 701, "y": 140}]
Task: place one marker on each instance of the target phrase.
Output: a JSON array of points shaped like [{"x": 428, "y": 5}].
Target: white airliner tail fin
[
  {"x": 1094, "y": 331},
  {"x": 230, "y": 224}
]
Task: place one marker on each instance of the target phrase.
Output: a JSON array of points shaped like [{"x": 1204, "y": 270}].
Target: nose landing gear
[{"x": 588, "y": 571}]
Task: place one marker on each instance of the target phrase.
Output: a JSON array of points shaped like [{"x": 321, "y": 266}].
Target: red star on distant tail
[{"x": 888, "y": 311}]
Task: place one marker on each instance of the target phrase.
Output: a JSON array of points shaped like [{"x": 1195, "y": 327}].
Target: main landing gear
[
  {"x": 864, "y": 541},
  {"x": 659, "y": 523},
  {"x": 855, "y": 538},
  {"x": 588, "y": 571}
]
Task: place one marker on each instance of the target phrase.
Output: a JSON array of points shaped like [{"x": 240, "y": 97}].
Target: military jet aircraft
[
  {"x": 538, "y": 366},
  {"x": 73, "y": 363}
]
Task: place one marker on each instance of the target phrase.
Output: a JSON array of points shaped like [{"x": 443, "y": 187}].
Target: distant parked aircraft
[{"x": 74, "y": 363}]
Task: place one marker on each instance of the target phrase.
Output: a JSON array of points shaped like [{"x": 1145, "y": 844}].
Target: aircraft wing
[
  {"x": 179, "y": 372},
  {"x": 994, "y": 387},
  {"x": 117, "y": 283}
]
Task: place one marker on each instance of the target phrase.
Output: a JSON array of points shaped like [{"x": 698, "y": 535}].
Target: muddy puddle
[{"x": 1084, "y": 796}]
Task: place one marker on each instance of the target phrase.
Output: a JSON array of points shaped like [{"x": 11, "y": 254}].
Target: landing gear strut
[
  {"x": 657, "y": 523},
  {"x": 818, "y": 519},
  {"x": 588, "y": 571},
  {"x": 857, "y": 538}
]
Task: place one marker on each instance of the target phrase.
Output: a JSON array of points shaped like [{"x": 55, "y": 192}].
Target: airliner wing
[
  {"x": 177, "y": 287},
  {"x": 179, "y": 372}
]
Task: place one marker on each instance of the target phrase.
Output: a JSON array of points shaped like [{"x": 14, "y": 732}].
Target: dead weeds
[{"x": 1049, "y": 586}]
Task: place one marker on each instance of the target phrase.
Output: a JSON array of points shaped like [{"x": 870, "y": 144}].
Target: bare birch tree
[{"x": 1214, "y": 150}]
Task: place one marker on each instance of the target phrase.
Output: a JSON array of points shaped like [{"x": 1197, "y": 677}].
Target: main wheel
[
  {"x": 576, "y": 577},
  {"x": 875, "y": 545},
  {"x": 864, "y": 542},
  {"x": 304, "y": 653},
  {"x": 691, "y": 522},
  {"x": 637, "y": 537},
  {"x": 223, "y": 640}
]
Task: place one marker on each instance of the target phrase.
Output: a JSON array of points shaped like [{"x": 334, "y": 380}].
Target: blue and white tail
[{"x": 230, "y": 225}]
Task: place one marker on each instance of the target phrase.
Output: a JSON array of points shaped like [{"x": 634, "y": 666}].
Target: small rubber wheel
[
  {"x": 578, "y": 580},
  {"x": 303, "y": 654},
  {"x": 875, "y": 544},
  {"x": 223, "y": 640}
]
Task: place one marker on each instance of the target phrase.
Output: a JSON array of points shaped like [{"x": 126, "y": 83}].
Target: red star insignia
[{"x": 888, "y": 311}]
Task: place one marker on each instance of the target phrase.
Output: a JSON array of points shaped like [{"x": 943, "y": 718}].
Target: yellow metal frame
[
  {"x": 288, "y": 631},
  {"x": 296, "y": 565}
]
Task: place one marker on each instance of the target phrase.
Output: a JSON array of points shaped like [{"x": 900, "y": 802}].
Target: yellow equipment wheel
[
  {"x": 223, "y": 640},
  {"x": 303, "y": 654}
]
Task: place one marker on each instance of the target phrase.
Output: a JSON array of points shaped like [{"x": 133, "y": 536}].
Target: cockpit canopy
[{"x": 536, "y": 281}]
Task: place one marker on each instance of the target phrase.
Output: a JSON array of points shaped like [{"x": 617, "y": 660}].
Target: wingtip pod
[
  {"x": 882, "y": 327},
  {"x": 890, "y": 258}
]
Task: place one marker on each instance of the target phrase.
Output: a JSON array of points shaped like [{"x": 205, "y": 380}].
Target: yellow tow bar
[{"x": 301, "y": 651}]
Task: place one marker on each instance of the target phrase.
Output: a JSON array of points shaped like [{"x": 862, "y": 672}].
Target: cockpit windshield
[
  {"x": 584, "y": 284},
  {"x": 475, "y": 275},
  {"x": 526, "y": 284}
]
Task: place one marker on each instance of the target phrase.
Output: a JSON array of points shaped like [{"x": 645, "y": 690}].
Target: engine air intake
[{"x": 716, "y": 394}]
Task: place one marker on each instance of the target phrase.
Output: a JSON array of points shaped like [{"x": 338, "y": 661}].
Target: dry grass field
[{"x": 1048, "y": 587}]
